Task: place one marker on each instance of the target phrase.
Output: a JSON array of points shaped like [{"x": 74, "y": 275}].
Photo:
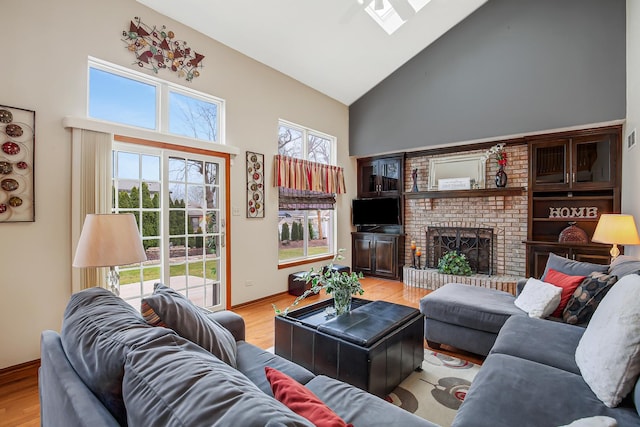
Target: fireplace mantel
[
  {"x": 498, "y": 193},
  {"x": 450, "y": 194}
]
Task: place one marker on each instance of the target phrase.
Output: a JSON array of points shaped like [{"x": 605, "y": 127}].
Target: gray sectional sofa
[
  {"x": 542, "y": 372},
  {"x": 109, "y": 367}
]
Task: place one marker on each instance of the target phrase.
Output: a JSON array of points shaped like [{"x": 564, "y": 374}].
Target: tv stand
[{"x": 378, "y": 253}]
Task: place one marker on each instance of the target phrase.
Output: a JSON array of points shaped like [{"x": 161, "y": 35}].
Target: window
[
  {"x": 389, "y": 16},
  {"x": 131, "y": 98},
  {"x": 306, "y": 222}
]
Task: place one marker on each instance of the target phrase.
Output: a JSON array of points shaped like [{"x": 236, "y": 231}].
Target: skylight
[{"x": 393, "y": 13}]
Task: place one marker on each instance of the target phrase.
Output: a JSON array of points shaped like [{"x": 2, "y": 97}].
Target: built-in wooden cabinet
[
  {"x": 380, "y": 176},
  {"x": 573, "y": 179},
  {"x": 587, "y": 162},
  {"x": 378, "y": 254}
]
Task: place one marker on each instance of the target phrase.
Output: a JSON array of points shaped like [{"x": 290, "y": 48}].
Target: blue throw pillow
[{"x": 166, "y": 307}]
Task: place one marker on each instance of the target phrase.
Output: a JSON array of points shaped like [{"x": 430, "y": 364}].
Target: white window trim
[{"x": 134, "y": 132}]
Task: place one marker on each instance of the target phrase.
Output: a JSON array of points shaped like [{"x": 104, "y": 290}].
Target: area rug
[{"x": 437, "y": 392}]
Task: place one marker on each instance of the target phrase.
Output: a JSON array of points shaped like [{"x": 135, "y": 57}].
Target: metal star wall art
[{"x": 157, "y": 48}]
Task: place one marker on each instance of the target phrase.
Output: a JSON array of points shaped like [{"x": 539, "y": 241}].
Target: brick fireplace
[{"x": 506, "y": 215}]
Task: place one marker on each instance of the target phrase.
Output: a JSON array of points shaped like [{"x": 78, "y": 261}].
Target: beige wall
[
  {"x": 631, "y": 157},
  {"x": 44, "y": 69}
]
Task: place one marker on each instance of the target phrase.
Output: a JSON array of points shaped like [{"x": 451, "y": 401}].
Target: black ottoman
[{"x": 297, "y": 285}]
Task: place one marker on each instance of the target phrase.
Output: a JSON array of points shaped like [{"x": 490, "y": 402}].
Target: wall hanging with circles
[
  {"x": 255, "y": 185},
  {"x": 17, "y": 143}
]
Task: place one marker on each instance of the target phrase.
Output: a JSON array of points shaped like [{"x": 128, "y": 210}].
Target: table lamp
[
  {"x": 109, "y": 240},
  {"x": 616, "y": 229}
]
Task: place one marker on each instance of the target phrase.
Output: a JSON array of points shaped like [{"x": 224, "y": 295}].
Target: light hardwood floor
[{"x": 19, "y": 401}]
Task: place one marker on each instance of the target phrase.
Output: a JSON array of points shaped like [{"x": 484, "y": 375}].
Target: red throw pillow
[
  {"x": 301, "y": 400},
  {"x": 568, "y": 285}
]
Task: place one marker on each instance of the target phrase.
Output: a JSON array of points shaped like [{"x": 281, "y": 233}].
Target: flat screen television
[{"x": 379, "y": 211}]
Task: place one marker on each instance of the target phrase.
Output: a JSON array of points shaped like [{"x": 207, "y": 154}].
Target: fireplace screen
[{"x": 475, "y": 243}]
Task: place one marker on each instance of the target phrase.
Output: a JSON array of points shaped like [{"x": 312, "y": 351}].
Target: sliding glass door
[{"x": 178, "y": 200}]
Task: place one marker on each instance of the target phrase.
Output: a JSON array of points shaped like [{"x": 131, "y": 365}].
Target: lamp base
[
  {"x": 614, "y": 252},
  {"x": 113, "y": 279}
]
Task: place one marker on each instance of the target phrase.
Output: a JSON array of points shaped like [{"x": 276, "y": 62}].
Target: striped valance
[{"x": 301, "y": 174}]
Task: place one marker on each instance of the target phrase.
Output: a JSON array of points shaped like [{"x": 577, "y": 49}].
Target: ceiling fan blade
[{"x": 403, "y": 8}]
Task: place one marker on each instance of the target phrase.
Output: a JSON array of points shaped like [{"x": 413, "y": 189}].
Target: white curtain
[{"x": 91, "y": 193}]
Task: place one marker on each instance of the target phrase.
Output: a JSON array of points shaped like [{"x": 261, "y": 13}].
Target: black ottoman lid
[{"x": 365, "y": 325}]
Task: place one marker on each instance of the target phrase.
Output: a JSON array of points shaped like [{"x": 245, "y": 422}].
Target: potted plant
[
  {"x": 341, "y": 285},
  {"x": 454, "y": 263}
]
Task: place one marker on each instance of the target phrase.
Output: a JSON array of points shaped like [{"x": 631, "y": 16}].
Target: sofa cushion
[
  {"x": 252, "y": 361},
  {"x": 594, "y": 422},
  {"x": 544, "y": 396},
  {"x": 608, "y": 354},
  {"x": 172, "y": 381},
  {"x": 361, "y": 408},
  {"x": 623, "y": 265},
  {"x": 98, "y": 330},
  {"x": 167, "y": 307},
  {"x": 470, "y": 306},
  {"x": 587, "y": 297},
  {"x": 567, "y": 283},
  {"x": 301, "y": 400},
  {"x": 558, "y": 340},
  {"x": 538, "y": 298},
  {"x": 572, "y": 267}
]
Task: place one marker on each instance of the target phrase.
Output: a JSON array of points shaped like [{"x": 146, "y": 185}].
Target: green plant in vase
[
  {"x": 340, "y": 285},
  {"x": 454, "y": 263}
]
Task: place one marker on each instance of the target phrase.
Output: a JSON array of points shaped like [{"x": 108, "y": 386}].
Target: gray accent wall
[{"x": 511, "y": 67}]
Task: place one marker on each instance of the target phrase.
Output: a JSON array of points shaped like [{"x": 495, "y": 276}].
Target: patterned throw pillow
[{"x": 587, "y": 296}]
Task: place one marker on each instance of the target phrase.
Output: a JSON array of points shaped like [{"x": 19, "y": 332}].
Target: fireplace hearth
[{"x": 476, "y": 243}]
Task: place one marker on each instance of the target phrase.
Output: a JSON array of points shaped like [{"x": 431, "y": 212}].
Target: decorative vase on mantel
[{"x": 501, "y": 177}]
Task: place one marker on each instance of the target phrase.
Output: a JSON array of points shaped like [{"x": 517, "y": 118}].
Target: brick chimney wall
[{"x": 507, "y": 215}]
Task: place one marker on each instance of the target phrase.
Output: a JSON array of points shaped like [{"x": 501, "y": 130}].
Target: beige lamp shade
[
  {"x": 616, "y": 229},
  {"x": 109, "y": 240}
]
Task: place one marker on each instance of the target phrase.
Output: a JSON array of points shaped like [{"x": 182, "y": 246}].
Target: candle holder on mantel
[
  {"x": 413, "y": 254},
  {"x": 418, "y": 254}
]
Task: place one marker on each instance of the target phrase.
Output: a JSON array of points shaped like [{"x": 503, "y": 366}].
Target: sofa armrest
[
  {"x": 231, "y": 321},
  {"x": 65, "y": 400}
]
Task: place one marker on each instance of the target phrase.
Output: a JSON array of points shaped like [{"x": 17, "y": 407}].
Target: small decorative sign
[
  {"x": 590, "y": 212},
  {"x": 454, "y": 183},
  {"x": 157, "y": 48},
  {"x": 255, "y": 185}
]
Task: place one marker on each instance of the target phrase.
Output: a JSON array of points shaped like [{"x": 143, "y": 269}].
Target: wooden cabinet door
[
  {"x": 549, "y": 164},
  {"x": 386, "y": 252},
  {"x": 368, "y": 182},
  {"x": 389, "y": 176},
  {"x": 594, "y": 256},
  {"x": 538, "y": 256},
  {"x": 593, "y": 162},
  {"x": 362, "y": 252}
]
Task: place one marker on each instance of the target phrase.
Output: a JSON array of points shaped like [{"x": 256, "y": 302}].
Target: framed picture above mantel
[{"x": 17, "y": 129}]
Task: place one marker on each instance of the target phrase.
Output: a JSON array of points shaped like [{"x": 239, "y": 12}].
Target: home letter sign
[{"x": 566, "y": 212}]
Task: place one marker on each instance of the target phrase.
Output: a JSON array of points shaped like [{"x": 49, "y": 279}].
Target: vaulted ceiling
[{"x": 333, "y": 46}]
